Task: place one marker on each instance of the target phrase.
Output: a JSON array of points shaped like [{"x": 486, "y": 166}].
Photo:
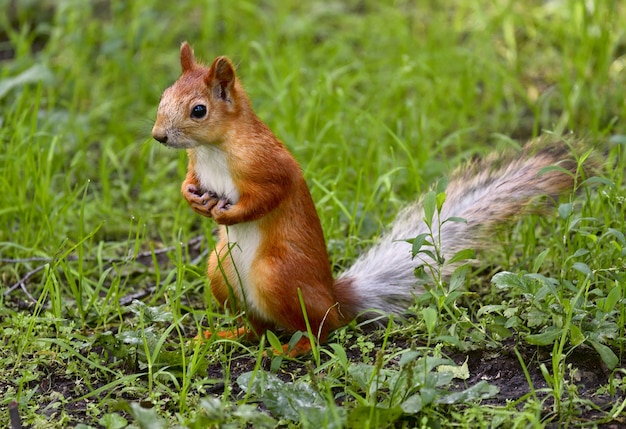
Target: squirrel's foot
[
  {"x": 223, "y": 204},
  {"x": 219, "y": 209},
  {"x": 302, "y": 347},
  {"x": 243, "y": 334},
  {"x": 240, "y": 332},
  {"x": 201, "y": 202}
]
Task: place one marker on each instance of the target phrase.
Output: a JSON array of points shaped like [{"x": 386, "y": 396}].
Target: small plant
[
  {"x": 381, "y": 396},
  {"x": 443, "y": 293}
]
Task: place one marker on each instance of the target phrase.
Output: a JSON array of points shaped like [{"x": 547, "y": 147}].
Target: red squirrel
[{"x": 271, "y": 245}]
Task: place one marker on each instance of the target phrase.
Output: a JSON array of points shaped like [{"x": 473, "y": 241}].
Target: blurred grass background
[{"x": 373, "y": 98}]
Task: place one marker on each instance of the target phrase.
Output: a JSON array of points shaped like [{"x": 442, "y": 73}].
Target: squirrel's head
[{"x": 199, "y": 107}]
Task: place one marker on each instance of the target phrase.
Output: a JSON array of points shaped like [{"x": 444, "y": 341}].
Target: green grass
[{"x": 376, "y": 100}]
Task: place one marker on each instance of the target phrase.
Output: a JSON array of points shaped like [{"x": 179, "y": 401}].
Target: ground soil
[{"x": 500, "y": 368}]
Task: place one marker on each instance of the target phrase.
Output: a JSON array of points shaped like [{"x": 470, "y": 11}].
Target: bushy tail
[{"x": 486, "y": 194}]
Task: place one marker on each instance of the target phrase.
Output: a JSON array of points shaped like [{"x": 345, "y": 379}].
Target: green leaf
[
  {"x": 612, "y": 298},
  {"x": 546, "y": 374},
  {"x": 145, "y": 417},
  {"x": 429, "y": 253},
  {"x": 539, "y": 260},
  {"x": 429, "y": 203},
  {"x": 600, "y": 180},
  {"x": 138, "y": 337},
  {"x": 606, "y": 354},
  {"x": 361, "y": 374},
  {"x": 369, "y": 416},
  {"x": 151, "y": 314},
  {"x": 499, "y": 330},
  {"x": 481, "y": 390},
  {"x": 565, "y": 210},
  {"x": 455, "y": 219},
  {"x": 507, "y": 280},
  {"x": 545, "y": 338},
  {"x": 491, "y": 308},
  {"x": 619, "y": 235},
  {"x": 576, "y": 335},
  {"x": 458, "y": 371},
  {"x": 113, "y": 421},
  {"x": 462, "y": 255},
  {"x": 513, "y": 322},
  {"x": 292, "y": 401},
  {"x": 250, "y": 416},
  {"x": 451, "y": 297},
  {"x": 457, "y": 280},
  {"x": 418, "y": 242},
  {"x": 412, "y": 405},
  {"x": 213, "y": 409},
  {"x": 442, "y": 185},
  {"x": 449, "y": 339},
  {"x": 340, "y": 354},
  {"x": 439, "y": 379},
  {"x": 429, "y": 394},
  {"x": 295, "y": 338},
  {"x": 536, "y": 317},
  {"x": 579, "y": 252},
  {"x": 408, "y": 356},
  {"x": 549, "y": 168},
  {"x": 274, "y": 341},
  {"x": 430, "y": 318},
  {"x": 441, "y": 198},
  {"x": 581, "y": 267}
]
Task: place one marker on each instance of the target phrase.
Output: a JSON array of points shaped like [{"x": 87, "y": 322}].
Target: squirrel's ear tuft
[
  {"x": 187, "y": 60},
  {"x": 222, "y": 77},
  {"x": 223, "y": 70}
]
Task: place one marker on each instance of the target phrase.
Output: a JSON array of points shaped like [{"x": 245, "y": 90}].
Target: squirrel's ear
[
  {"x": 221, "y": 77},
  {"x": 187, "y": 60}
]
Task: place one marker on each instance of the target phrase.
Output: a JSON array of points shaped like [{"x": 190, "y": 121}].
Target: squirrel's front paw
[
  {"x": 201, "y": 203},
  {"x": 222, "y": 206}
]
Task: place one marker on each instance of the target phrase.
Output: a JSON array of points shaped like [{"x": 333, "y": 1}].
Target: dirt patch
[{"x": 584, "y": 391}]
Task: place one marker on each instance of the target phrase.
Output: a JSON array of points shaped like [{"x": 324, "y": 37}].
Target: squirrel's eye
[{"x": 198, "y": 111}]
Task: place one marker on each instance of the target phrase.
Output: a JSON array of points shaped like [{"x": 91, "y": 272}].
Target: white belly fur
[
  {"x": 244, "y": 238},
  {"x": 212, "y": 172}
]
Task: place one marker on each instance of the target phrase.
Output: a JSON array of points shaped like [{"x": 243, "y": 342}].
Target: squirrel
[{"x": 271, "y": 254}]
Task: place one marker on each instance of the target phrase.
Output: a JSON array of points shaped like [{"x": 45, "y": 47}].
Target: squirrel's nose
[
  {"x": 160, "y": 138},
  {"x": 159, "y": 135}
]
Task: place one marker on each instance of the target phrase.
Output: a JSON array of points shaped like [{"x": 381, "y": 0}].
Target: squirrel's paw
[
  {"x": 240, "y": 332},
  {"x": 302, "y": 347},
  {"x": 201, "y": 203},
  {"x": 223, "y": 205}
]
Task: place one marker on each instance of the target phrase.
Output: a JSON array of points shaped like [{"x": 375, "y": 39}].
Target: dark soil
[
  {"x": 501, "y": 368},
  {"x": 584, "y": 372}
]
